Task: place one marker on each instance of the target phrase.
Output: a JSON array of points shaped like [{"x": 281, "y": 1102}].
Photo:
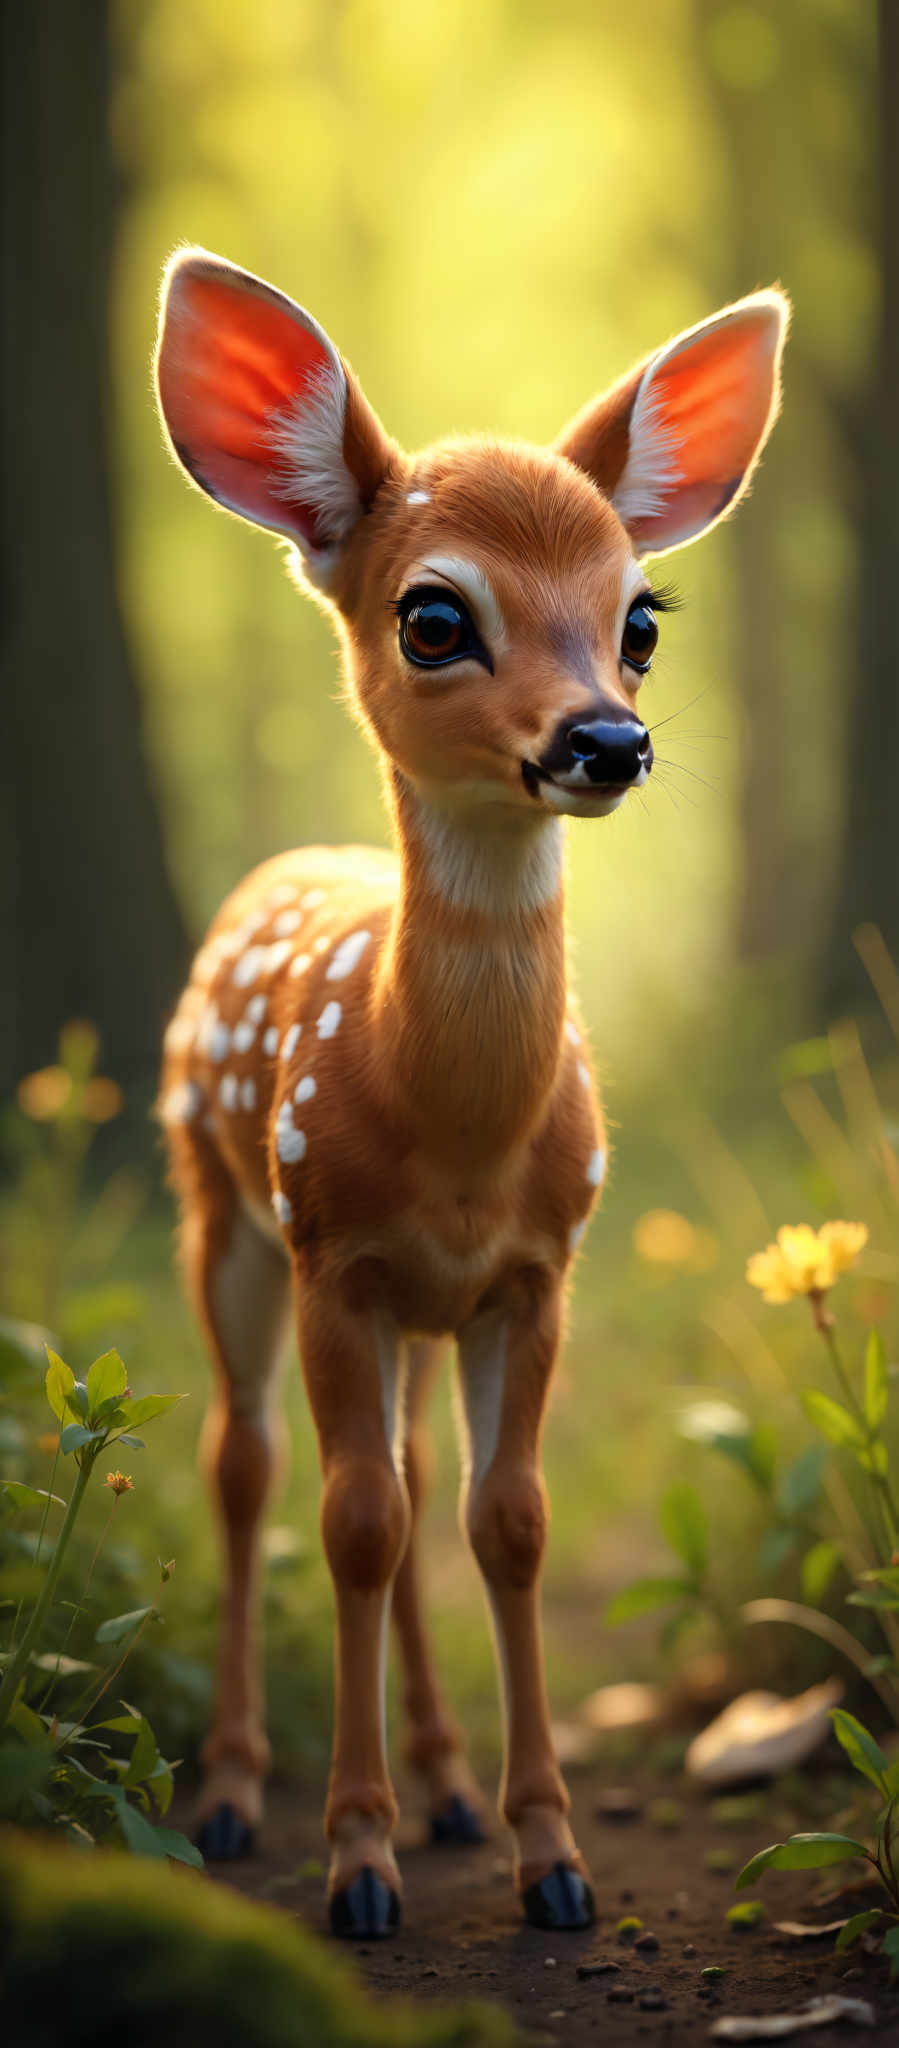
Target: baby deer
[{"x": 374, "y": 1085}]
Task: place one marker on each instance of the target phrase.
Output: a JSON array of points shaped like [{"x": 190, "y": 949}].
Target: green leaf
[
  {"x": 800, "y": 1852},
  {"x": 152, "y": 1404},
  {"x": 747, "y": 1913},
  {"x": 818, "y": 1567},
  {"x": 879, "y": 1596},
  {"x": 684, "y": 1524},
  {"x": 800, "y": 1483},
  {"x": 79, "y": 1400},
  {"x": 113, "y": 1631},
  {"x": 644, "y": 1596},
  {"x": 28, "y": 1724},
  {"x": 834, "y": 1421},
  {"x": 75, "y": 1434},
  {"x": 859, "y": 1924},
  {"x": 139, "y": 1833},
  {"x": 876, "y": 1393},
  {"x": 144, "y": 1756},
  {"x": 59, "y": 1382},
  {"x": 874, "y": 1459},
  {"x": 863, "y": 1752},
  {"x": 21, "y": 1496},
  {"x": 178, "y": 1846},
  {"x": 135, "y": 1443},
  {"x": 106, "y": 1377},
  {"x": 891, "y": 1948}
]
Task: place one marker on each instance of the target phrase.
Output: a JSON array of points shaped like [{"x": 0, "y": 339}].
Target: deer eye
[
  {"x": 436, "y": 628},
  {"x": 638, "y": 641}
]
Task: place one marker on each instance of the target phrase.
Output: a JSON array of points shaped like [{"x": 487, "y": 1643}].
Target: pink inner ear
[
  {"x": 712, "y": 399},
  {"x": 231, "y": 357}
]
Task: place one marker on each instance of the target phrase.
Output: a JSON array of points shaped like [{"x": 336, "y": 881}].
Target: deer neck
[{"x": 471, "y": 995}]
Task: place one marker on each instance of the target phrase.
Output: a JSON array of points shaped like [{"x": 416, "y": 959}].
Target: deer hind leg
[
  {"x": 433, "y": 1742},
  {"x": 506, "y": 1356},
  {"x": 241, "y": 1284}
]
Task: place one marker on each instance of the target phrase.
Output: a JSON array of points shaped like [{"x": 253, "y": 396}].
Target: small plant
[
  {"x": 815, "y": 1851},
  {"x": 804, "y": 1262},
  {"x": 45, "y": 1775}
]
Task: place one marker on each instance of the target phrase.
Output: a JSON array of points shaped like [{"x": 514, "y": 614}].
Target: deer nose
[{"x": 611, "y": 751}]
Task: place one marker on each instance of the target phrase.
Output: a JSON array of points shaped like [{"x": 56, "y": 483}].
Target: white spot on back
[
  {"x": 299, "y": 966},
  {"x": 180, "y": 1034},
  {"x": 312, "y": 899},
  {"x": 282, "y": 1207},
  {"x": 304, "y": 1089},
  {"x": 248, "y": 1093},
  {"x": 182, "y": 1103},
  {"x": 276, "y": 955},
  {"x": 256, "y": 1008},
  {"x": 288, "y": 921},
  {"x": 576, "y": 1233},
  {"x": 291, "y": 1144},
  {"x": 418, "y": 497},
  {"x": 347, "y": 956},
  {"x": 228, "y": 1091},
  {"x": 597, "y": 1167},
  {"x": 283, "y": 893},
  {"x": 571, "y": 1033},
  {"x": 270, "y": 1041},
  {"x": 249, "y": 966},
  {"x": 329, "y": 1020},
  {"x": 291, "y": 1039},
  {"x": 583, "y": 1073},
  {"x": 243, "y": 1035}
]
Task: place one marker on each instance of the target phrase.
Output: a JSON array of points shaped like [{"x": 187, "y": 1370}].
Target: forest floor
[{"x": 462, "y": 1935}]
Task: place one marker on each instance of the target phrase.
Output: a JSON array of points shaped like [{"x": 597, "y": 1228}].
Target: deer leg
[
  {"x": 241, "y": 1283},
  {"x": 433, "y": 1743},
  {"x": 352, "y": 1363},
  {"x": 506, "y": 1356}
]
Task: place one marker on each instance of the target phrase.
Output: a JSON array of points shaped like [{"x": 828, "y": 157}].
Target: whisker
[
  {"x": 682, "y": 768},
  {"x": 683, "y": 707}
]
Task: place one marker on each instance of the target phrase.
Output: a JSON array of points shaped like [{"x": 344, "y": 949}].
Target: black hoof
[
  {"x": 457, "y": 1822},
  {"x": 366, "y": 1910},
  {"x": 560, "y": 1901},
  {"x": 225, "y": 1837}
]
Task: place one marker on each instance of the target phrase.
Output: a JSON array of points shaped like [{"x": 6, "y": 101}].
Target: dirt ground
[{"x": 462, "y": 1935}]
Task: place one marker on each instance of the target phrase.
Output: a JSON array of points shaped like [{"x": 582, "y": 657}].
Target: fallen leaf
[
  {"x": 775, "y": 2026},
  {"x": 801, "y": 1932}
]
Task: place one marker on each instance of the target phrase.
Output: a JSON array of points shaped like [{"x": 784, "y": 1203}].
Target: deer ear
[
  {"x": 673, "y": 446},
  {"x": 261, "y": 410}
]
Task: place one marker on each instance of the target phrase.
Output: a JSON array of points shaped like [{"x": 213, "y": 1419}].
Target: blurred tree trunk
[
  {"x": 88, "y": 920},
  {"x": 868, "y": 887}
]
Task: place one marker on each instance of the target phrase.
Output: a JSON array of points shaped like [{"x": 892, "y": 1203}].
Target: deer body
[{"x": 375, "y": 1092}]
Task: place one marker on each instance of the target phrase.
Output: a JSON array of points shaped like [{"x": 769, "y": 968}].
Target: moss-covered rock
[{"x": 108, "y": 1950}]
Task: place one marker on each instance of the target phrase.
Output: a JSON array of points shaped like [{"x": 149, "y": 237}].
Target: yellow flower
[
  {"x": 805, "y": 1261},
  {"x": 120, "y": 1482}
]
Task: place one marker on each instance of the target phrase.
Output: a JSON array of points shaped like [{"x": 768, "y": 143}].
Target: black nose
[{"x": 611, "y": 751}]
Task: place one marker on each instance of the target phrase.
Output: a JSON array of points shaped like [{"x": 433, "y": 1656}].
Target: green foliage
[
  {"x": 51, "y": 1785},
  {"x": 128, "y": 1951},
  {"x": 801, "y": 1852}
]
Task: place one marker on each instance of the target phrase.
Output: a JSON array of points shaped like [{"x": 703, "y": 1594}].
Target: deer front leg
[
  {"x": 506, "y": 1356},
  {"x": 352, "y": 1367},
  {"x": 433, "y": 1744}
]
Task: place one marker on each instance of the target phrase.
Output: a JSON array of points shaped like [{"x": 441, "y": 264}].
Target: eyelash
[{"x": 664, "y": 598}]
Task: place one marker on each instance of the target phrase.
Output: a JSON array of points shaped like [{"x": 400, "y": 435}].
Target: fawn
[{"x": 374, "y": 1086}]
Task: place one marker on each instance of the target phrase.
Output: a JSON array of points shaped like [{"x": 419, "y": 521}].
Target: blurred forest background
[{"x": 493, "y": 206}]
